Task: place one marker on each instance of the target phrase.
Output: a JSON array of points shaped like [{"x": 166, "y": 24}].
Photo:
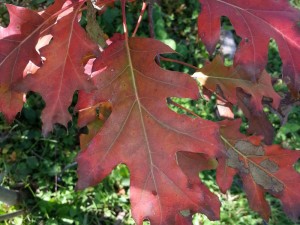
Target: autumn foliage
[{"x": 123, "y": 100}]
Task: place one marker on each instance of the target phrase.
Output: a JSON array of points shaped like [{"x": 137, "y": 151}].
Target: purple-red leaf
[
  {"x": 63, "y": 71},
  {"x": 257, "y": 118},
  {"x": 17, "y": 48},
  {"x": 262, "y": 169},
  {"x": 214, "y": 74},
  {"x": 143, "y": 133},
  {"x": 256, "y": 22},
  {"x": 234, "y": 85}
]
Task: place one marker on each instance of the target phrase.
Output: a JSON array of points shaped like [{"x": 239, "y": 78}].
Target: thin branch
[
  {"x": 11, "y": 215},
  {"x": 67, "y": 167},
  {"x": 170, "y": 101},
  {"x": 179, "y": 62},
  {"x": 124, "y": 19},
  {"x": 150, "y": 19},
  {"x": 144, "y": 6}
]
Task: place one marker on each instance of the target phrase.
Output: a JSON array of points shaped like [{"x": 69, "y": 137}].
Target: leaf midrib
[
  {"x": 135, "y": 89},
  {"x": 235, "y": 80},
  {"x": 248, "y": 159}
]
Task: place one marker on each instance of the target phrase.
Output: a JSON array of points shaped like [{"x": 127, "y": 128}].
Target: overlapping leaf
[
  {"x": 143, "y": 133},
  {"x": 55, "y": 8},
  {"x": 257, "y": 119},
  {"x": 94, "y": 118},
  {"x": 262, "y": 169},
  {"x": 63, "y": 71},
  {"x": 17, "y": 48},
  {"x": 256, "y": 22},
  {"x": 228, "y": 80}
]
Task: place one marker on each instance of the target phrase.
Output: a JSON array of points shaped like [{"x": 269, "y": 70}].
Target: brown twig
[
  {"x": 144, "y": 6},
  {"x": 170, "y": 101},
  {"x": 150, "y": 19},
  {"x": 179, "y": 62},
  {"x": 123, "y": 2}
]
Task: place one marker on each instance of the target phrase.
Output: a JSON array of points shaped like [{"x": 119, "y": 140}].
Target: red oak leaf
[
  {"x": 257, "y": 119},
  {"x": 262, "y": 169},
  {"x": 63, "y": 71},
  {"x": 215, "y": 74},
  {"x": 256, "y": 22},
  {"x": 226, "y": 82},
  {"x": 193, "y": 163},
  {"x": 17, "y": 48},
  {"x": 144, "y": 134},
  {"x": 94, "y": 118},
  {"x": 56, "y": 7}
]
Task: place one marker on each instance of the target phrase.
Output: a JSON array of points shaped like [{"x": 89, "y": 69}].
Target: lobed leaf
[
  {"x": 63, "y": 71},
  {"x": 17, "y": 48},
  {"x": 262, "y": 169},
  {"x": 215, "y": 74},
  {"x": 256, "y": 22},
  {"x": 144, "y": 134},
  {"x": 258, "y": 121},
  {"x": 227, "y": 82}
]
